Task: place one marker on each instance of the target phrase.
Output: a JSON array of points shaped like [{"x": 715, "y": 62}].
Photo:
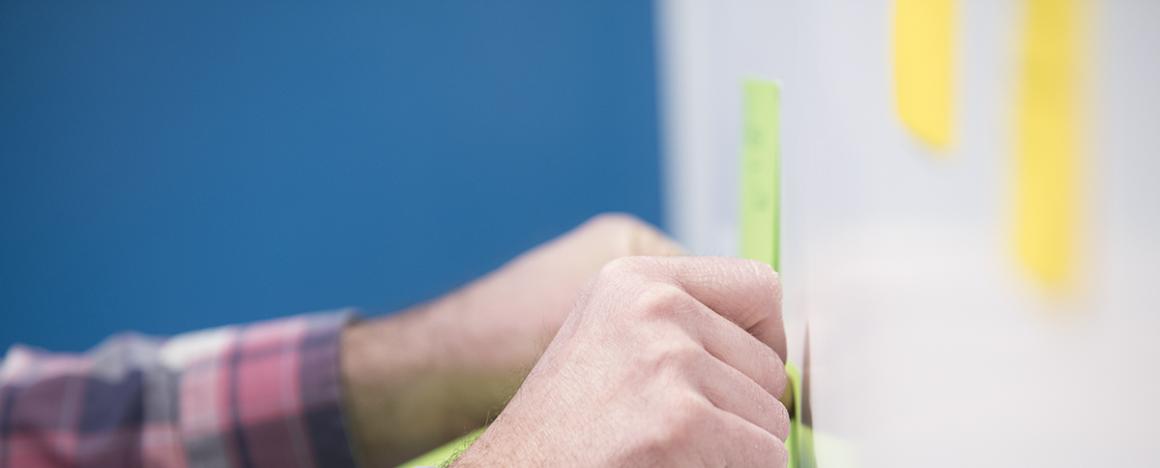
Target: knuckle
[
  {"x": 773, "y": 279},
  {"x": 673, "y": 362},
  {"x": 685, "y": 416},
  {"x": 781, "y": 421},
  {"x": 693, "y": 409},
  {"x": 766, "y": 274},
  {"x": 780, "y": 454},
  {"x": 770, "y": 447},
  {"x": 659, "y": 441},
  {"x": 771, "y": 377},
  {"x": 661, "y": 301},
  {"x": 780, "y": 382},
  {"x": 621, "y": 268}
]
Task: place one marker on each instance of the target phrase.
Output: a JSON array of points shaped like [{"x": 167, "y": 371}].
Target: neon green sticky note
[
  {"x": 923, "y": 73},
  {"x": 760, "y": 211},
  {"x": 760, "y": 173},
  {"x": 445, "y": 455}
]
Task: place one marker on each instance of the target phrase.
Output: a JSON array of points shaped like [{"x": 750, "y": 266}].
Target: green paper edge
[
  {"x": 760, "y": 207},
  {"x": 800, "y": 443},
  {"x": 761, "y": 224},
  {"x": 445, "y": 455}
]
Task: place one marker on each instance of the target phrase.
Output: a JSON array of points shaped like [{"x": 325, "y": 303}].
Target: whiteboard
[{"x": 929, "y": 344}]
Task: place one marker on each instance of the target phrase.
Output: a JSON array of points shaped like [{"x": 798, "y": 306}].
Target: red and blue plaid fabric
[{"x": 259, "y": 395}]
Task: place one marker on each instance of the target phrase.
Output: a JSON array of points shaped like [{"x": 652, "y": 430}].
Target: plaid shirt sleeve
[{"x": 259, "y": 395}]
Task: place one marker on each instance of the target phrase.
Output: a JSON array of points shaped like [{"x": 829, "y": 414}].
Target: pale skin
[{"x": 636, "y": 357}]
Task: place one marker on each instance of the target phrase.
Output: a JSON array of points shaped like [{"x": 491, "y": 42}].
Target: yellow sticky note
[
  {"x": 1046, "y": 153},
  {"x": 760, "y": 166},
  {"x": 923, "y": 52}
]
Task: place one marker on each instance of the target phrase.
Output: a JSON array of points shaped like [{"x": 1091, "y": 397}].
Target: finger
[
  {"x": 730, "y": 390},
  {"x": 737, "y": 348},
  {"x": 744, "y": 444},
  {"x": 746, "y": 292}
]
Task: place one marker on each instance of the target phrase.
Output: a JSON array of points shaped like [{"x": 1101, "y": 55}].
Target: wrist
[
  {"x": 415, "y": 380},
  {"x": 498, "y": 447}
]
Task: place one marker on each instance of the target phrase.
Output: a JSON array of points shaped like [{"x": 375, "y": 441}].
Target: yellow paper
[
  {"x": 923, "y": 47},
  {"x": 1046, "y": 161},
  {"x": 760, "y": 165}
]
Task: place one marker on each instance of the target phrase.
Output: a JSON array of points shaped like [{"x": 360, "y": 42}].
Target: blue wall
[{"x": 168, "y": 166}]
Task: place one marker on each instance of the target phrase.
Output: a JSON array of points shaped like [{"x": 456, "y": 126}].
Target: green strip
[
  {"x": 801, "y": 437},
  {"x": 760, "y": 173},
  {"x": 760, "y": 222},
  {"x": 445, "y": 455}
]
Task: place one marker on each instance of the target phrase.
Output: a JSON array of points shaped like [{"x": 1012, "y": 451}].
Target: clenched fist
[
  {"x": 673, "y": 361},
  {"x": 418, "y": 379}
]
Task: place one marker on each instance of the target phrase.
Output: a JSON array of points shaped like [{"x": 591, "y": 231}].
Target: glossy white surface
[{"x": 929, "y": 344}]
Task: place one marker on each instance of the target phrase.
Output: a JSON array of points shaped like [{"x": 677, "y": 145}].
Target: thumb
[{"x": 629, "y": 236}]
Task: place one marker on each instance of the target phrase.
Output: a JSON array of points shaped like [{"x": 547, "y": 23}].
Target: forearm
[{"x": 420, "y": 378}]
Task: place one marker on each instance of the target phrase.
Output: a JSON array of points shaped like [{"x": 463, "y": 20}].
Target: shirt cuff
[{"x": 270, "y": 395}]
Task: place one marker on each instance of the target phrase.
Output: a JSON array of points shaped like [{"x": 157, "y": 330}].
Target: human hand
[
  {"x": 664, "y": 362},
  {"x": 509, "y": 316},
  {"x": 425, "y": 376}
]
